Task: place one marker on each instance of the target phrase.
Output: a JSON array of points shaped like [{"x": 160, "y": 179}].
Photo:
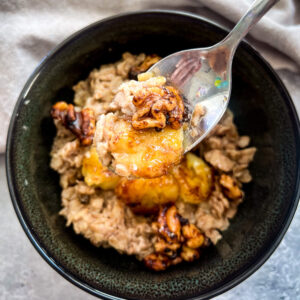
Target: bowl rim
[{"x": 249, "y": 270}]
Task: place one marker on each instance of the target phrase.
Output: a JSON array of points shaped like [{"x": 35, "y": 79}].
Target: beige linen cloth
[{"x": 30, "y": 28}]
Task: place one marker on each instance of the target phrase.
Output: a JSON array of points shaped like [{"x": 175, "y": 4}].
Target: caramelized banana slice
[
  {"x": 81, "y": 124},
  {"x": 195, "y": 179},
  {"x": 97, "y": 175},
  {"x": 146, "y": 195},
  {"x": 137, "y": 153}
]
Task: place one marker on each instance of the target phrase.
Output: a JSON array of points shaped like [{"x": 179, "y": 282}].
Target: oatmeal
[{"x": 164, "y": 220}]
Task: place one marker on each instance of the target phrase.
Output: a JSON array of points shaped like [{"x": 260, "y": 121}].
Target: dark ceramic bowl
[{"x": 262, "y": 108}]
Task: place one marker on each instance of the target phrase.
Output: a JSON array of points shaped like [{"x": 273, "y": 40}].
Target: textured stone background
[{"x": 24, "y": 275}]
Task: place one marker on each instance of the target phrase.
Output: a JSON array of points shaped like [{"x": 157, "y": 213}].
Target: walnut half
[
  {"x": 81, "y": 124},
  {"x": 158, "y": 107}
]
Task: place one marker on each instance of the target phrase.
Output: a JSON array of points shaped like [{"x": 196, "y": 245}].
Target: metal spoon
[{"x": 203, "y": 75}]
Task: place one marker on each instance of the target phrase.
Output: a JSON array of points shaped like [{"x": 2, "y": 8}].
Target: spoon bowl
[
  {"x": 201, "y": 80},
  {"x": 203, "y": 76}
]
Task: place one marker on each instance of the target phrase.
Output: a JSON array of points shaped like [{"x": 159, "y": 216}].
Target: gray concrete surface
[{"x": 24, "y": 275}]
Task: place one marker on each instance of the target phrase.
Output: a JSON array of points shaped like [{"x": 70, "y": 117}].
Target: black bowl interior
[{"x": 262, "y": 109}]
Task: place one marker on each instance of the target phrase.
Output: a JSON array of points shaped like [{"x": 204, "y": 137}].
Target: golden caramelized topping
[
  {"x": 97, "y": 175},
  {"x": 169, "y": 226},
  {"x": 144, "y": 196},
  {"x": 194, "y": 237},
  {"x": 189, "y": 254},
  {"x": 137, "y": 153},
  {"x": 81, "y": 124},
  {"x": 230, "y": 187},
  {"x": 195, "y": 179},
  {"x": 169, "y": 249},
  {"x": 191, "y": 181},
  {"x": 177, "y": 240},
  {"x": 149, "y": 61},
  {"x": 159, "y": 262},
  {"x": 142, "y": 135},
  {"x": 157, "y": 107}
]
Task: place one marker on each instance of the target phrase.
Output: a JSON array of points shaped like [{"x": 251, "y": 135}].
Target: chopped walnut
[
  {"x": 157, "y": 262},
  {"x": 158, "y": 107},
  {"x": 194, "y": 237},
  {"x": 230, "y": 187},
  {"x": 168, "y": 249},
  {"x": 189, "y": 254},
  {"x": 81, "y": 124},
  {"x": 177, "y": 240},
  {"x": 149, "y": 61},
  {"x": 169, "y": 224}
]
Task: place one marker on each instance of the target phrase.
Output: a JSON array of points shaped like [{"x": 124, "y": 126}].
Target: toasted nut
[
  {"x": 155, "y": 226},
  {"x": 176, "y": 260},
  {"x": 173, "y": 221},
  {"x": 157, "y": 262},
  {"x": 168, "y": 249},
  {"x": 195, "y": 238},
  {"x": 178, "y": 240},
  {"x": 169, "y": 224},
  {"x": 196, "y": 242},
  {"x": 230, "y": 187},
  {"x": 189, "y": 254},
  {"x": 81, "y": 124},
  {"x": 156, "y": 107}
]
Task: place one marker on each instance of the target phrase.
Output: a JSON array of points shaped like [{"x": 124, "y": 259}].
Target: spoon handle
[{"x": 251, "y": 17}]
